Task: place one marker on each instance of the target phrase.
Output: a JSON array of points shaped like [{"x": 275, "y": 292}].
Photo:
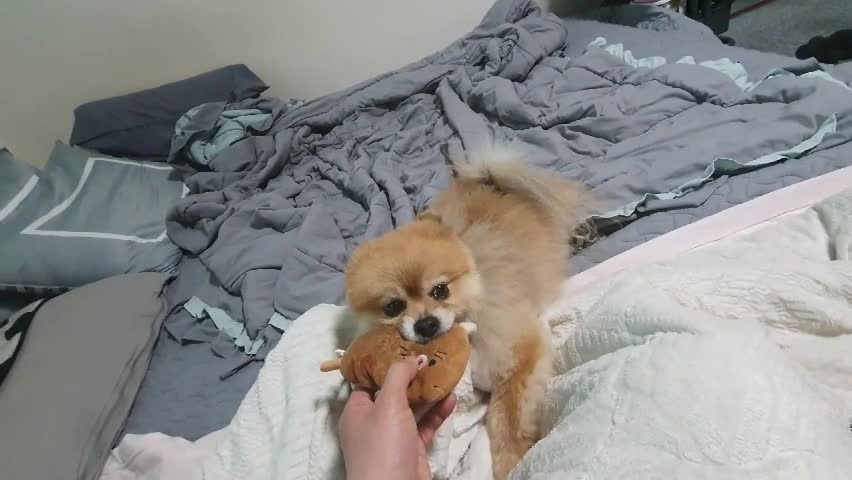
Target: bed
[
  {"x": 721, "y": 352},
  {"x": 664, "y": 123},
  {"x": 420, "y": 116}
]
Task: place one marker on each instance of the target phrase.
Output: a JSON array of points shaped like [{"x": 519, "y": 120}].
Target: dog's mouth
[
  {"x": 429, "y": 326},
  {"x": 424, "y": 340}
]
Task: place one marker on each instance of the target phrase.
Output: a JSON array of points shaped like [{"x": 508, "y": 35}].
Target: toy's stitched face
[
  {"x": 435, "y": 362},
  {"x": 367, "y": 361},
  {"x": 431, "y": 360},
  {"x": 419, "y": 278},
  {"x": 437, "y": 357},
  {"x": 429, "y": 377}
]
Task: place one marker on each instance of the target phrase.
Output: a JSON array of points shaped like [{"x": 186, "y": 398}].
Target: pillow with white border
[{"x": 86, "y": 217}]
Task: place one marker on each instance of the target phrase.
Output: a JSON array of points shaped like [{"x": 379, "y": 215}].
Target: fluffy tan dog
[{"x": 492, "y": 250}]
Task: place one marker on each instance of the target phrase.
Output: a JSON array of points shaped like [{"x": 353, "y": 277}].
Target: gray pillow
[
  {"x": 84, "y": 218},
  {"x": 141, "y": 125},
  {"x": 68, "y": 392}
]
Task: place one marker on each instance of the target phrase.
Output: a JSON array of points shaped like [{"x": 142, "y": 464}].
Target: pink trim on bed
[{"x": 721, "y": 225}]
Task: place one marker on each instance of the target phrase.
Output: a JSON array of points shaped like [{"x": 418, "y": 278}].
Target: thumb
[{"x": 398, "y": 378}]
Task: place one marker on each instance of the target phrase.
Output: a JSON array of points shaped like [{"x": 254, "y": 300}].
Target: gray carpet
[{"x": 783, "y": 25}]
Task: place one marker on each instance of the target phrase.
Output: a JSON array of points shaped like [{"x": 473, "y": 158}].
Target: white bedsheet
[
  {"x": 732, "y": 361},
  {"x": 749, "y": 216}
]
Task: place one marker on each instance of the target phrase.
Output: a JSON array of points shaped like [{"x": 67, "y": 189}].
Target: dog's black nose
[{"x": 427, "y": 327}]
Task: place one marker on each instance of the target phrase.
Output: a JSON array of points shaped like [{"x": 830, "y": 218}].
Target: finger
[
  {"x": 359, "y": 400},
  {"x": 360, "y": 396},
  {"x": 399, "y": 376},
  {"x": 434, "y": 418},
  {"x": 420, "y": 410}
]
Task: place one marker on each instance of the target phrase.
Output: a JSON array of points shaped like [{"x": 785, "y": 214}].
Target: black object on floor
[
  {"x": 716, "y": 14},
  {"x": 834, "y": 48}
]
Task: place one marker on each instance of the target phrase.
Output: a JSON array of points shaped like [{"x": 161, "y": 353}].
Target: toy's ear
[{"x": 468, "y": 327}]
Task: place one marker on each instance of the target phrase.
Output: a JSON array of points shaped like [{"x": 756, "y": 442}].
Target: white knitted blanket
[
  {"x": 734, "y": 361},
  {"x": 286, "y": 426}
]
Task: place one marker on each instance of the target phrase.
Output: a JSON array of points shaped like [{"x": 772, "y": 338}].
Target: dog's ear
[{"x": 429, "y": 216}]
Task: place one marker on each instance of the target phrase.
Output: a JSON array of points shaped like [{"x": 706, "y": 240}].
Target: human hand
[{"x": 381, "y": 438}]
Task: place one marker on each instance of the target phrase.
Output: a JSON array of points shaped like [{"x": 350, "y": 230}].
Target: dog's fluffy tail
[{"x": 508, "y": 170}]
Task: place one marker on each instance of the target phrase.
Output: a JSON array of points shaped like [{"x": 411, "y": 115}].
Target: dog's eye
[
  {"x": 440, "y": 291},
  {"x": 394, "y": 308}
]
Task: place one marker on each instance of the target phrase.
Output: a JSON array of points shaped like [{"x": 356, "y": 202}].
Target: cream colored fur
[{"x": 498, "y": 237}]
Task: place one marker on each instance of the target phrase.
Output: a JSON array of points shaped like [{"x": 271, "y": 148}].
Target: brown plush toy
[{"x": 368, "y": 359}]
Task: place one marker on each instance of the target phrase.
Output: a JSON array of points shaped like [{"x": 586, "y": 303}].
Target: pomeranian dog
[{"x": 492, "y": 249}]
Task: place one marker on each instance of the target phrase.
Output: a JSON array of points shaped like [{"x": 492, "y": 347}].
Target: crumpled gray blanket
[{"x": 282, "y": 192}]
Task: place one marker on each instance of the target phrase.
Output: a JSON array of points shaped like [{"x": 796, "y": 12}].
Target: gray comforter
[
  {"x": 283, "y": 192},
  {"x": 726, "y": 191}
]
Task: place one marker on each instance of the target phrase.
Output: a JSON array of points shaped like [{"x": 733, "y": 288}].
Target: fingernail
[{"x": 421, "y": 361}]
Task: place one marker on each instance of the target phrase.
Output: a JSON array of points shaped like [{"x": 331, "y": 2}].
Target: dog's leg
[{"x": 514, "y": 410}]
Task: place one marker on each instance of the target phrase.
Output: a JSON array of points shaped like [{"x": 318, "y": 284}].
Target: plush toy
[{"x": 368, "y": 359}]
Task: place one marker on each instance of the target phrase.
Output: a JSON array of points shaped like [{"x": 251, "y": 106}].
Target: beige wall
[{"x": 57, "y": 54}]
